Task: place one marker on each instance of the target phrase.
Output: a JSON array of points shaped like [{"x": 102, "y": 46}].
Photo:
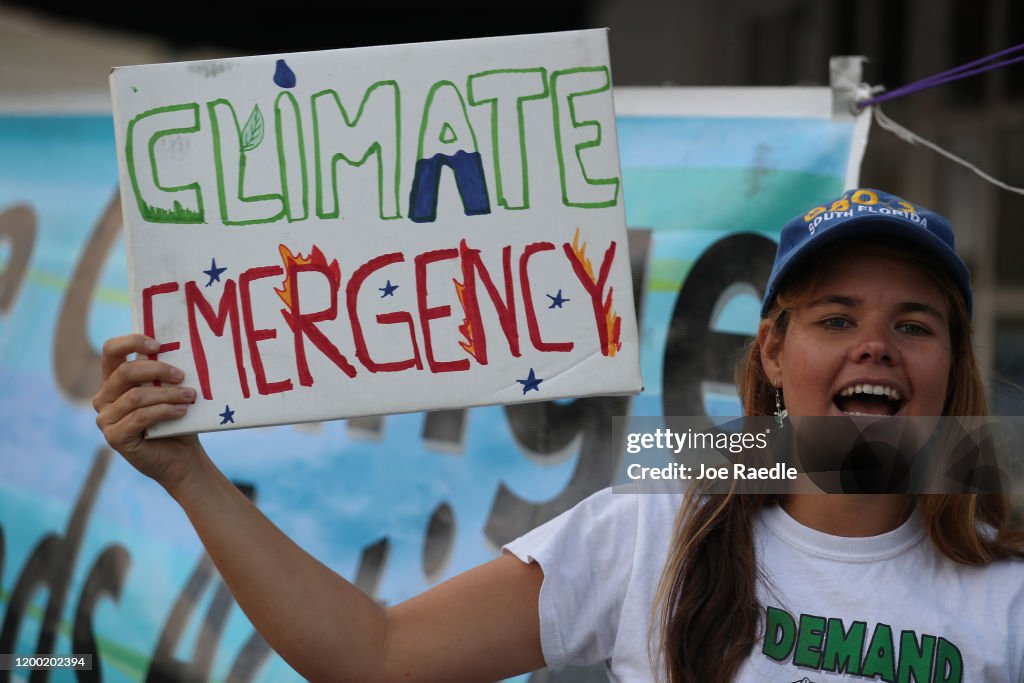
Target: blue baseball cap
[{"x": 865, "y": 213}]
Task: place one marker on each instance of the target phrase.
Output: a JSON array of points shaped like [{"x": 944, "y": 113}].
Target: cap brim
[{"x": 869, "y": 226}]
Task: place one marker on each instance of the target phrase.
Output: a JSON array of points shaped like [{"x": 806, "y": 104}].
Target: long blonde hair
[{"x": 707, "y": 611}]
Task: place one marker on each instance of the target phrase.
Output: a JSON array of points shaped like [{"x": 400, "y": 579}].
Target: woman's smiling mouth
[{"x": 869, "y": 399}]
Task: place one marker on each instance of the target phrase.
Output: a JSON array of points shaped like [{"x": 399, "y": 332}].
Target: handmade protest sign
[{"x": 377, "y": 230}]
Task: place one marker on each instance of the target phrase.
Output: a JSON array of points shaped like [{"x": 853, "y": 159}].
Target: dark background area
[
  {"x": 263, "y": 26},
  {"x": 756, "y": 42}
]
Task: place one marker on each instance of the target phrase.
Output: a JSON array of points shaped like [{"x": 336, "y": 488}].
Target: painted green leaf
[{"x": 252, "y": 134}]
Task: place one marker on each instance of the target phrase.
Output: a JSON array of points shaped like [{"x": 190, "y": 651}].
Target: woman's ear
[{"x": 769, "y": 340}]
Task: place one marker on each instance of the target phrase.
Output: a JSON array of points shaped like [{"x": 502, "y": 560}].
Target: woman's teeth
[{"x": 872, "y": 390}]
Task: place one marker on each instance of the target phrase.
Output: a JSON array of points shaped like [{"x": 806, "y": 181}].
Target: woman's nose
[{"x": 874, "y": 344}]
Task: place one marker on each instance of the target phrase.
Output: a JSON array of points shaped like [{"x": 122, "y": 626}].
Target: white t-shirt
[{"x": 887, "y": 607}]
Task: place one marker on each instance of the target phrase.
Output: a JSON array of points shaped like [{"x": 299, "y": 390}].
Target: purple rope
[
  {"x": 950, "y": 75},
  {"x": 924, "y": 84},
  {"x": 976, "y": 62}
]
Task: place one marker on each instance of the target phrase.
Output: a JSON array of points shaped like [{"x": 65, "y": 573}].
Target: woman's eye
[
  {"x": 835, "y": 323},
  {"x": 915, "y": 329}
]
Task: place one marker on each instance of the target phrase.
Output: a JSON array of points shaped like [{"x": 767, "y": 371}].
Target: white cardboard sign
[{"x": 379, "y": 230}]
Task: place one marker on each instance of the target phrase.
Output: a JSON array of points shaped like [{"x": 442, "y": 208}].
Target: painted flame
[
  {"x": 612, "y": 322},
  {"x": 466, "y": 328},
  {"x": 291, "y": 260},
  {"x": 581, "y": 255}
]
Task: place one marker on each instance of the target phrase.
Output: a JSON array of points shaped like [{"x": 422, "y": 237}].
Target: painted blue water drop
[{"x": 283, "y": 75}]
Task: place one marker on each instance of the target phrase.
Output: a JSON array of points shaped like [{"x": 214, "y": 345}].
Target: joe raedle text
[{"x": 737, "y": 471}]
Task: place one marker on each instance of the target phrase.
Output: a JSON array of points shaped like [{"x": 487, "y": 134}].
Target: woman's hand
[{"x": 128, "y": 403}]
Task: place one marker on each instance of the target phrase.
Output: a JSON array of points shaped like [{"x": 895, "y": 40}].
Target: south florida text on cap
[{"x": 865, "y": 213}]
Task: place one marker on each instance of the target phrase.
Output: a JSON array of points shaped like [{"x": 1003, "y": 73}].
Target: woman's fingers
[
  {"x": 117, "y": 349},
  {"x": 124, "y": 434},
  {"x": 125, "y": 420},
  {"x": 136, "y": 394},
  {"x": 144, "y": 398},
  {"x": 131, "y": 374}
]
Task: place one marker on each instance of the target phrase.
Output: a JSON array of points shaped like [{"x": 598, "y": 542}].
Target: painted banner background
[{"x": 93, "y": 557}]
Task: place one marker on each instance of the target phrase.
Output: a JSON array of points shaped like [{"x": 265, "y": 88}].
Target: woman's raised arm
[{"x": 480, "y": 626}]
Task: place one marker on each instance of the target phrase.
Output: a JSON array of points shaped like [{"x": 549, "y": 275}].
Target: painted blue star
[
  {"x": 530, "y": 382},
  {"x": 557, "y": 300},
  {"x": 227, "y": 416},
  {"x": 388, "y": 289},
  {"x": 214, "y": 272}
]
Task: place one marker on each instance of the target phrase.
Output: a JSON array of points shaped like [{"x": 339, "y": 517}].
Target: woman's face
[{"x": 872, "y": 337}]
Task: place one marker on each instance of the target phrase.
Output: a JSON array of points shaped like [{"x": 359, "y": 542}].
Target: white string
[{"x": 913, "y": 138}]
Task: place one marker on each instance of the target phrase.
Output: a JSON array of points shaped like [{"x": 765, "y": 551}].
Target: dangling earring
[{"x": 780, "y": 412}]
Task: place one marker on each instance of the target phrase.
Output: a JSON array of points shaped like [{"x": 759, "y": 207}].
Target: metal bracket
[{"x": 846, "y": 81}]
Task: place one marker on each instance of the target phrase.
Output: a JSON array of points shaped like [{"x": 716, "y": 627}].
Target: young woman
[{"x": 867, "y": 311}]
